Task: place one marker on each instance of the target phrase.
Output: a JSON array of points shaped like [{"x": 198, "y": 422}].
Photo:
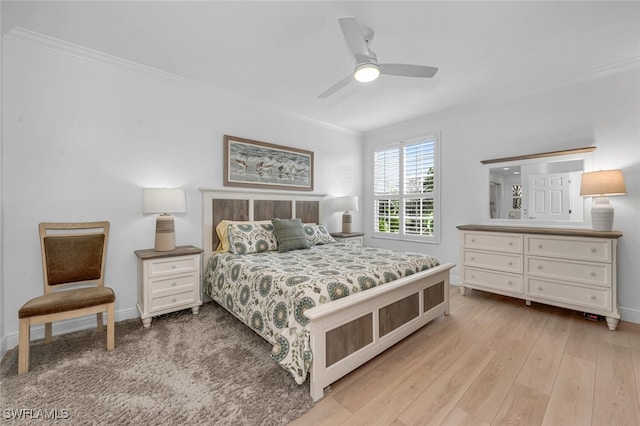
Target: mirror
[{"x": 539, "y": 187}]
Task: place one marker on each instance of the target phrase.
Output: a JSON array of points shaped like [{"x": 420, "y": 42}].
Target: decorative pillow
[
  {"x": 222, "y": 229},
  {"x": 252, "y": 238},
  {"x": 317, "y": 234},
  {"x": 290, "y": 234}
]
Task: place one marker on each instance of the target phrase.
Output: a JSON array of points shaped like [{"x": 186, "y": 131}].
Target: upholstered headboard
[{"x": 220, "y": 204}]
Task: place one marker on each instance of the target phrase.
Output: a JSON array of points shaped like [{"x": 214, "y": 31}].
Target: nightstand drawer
[
  {"x": 173, "y": 284},
  {"x": 494, "y": 280},
  {"x": 566, "y": 294},
  {"x": 593, "y": 249},
  {"x": 510, "y": 243},
  {"x": 580, "y": 272},
  {"x": 172, "y": 265},
  {"x": 172, "y": 300},
  {"x": 491, "y": 260}
]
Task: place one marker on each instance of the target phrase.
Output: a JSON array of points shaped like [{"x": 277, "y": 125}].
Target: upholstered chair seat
[{"x": 69, "y": 300}]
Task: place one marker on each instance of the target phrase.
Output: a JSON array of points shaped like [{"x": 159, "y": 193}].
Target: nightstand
[
  {"x": 168, "y": 281},
  {"x": 353, "y": 238}
]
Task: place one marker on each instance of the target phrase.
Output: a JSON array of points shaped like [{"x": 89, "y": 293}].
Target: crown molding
[{"x": 47, "y": 42}]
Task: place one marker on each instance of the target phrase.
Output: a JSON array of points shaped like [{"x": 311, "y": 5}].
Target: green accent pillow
[{"x": 290, "y": 234}]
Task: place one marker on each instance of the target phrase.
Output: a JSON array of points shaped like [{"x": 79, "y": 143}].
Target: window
[{"x": 405, "y": 187}]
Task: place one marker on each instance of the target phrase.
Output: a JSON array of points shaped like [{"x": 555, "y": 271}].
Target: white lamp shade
[
  {"x": 163, "y": 200},
  {"x": 347, "y": 203},
  {"x": 602, "y": 183}
]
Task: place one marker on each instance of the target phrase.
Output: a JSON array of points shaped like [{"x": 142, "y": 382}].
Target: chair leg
[
  {"x": 23, "y": 345},
  {"x": 100, "y": 323},
  {"x": 48, "y": 332},
  {"x": 111, "y": 332}
]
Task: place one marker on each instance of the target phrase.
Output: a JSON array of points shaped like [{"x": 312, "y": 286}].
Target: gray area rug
[{"x": 186, "y": 369}]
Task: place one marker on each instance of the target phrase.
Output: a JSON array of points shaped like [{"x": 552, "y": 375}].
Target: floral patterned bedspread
[{"x": 270, "y": 291}]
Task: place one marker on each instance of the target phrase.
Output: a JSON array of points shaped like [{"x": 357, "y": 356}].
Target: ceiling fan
[{"x": 367, "y": 67}]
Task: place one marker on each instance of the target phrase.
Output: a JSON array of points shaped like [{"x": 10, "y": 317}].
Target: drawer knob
[
  {"x": 539, "y": 246},
  {"x": 510, "y": 263},
  {"x": 593, "y": 297},
  {"x": 174, "y": 300},
  {"x": 473, "y": 240},
  {"x": 509, "y": 282},
  {"x": 593, "y": 250},
  {"x": 511, "y": 243},
  {"x": 593, "y": 274},
  {"x": 473, "y": 258},
  {"x": 173, "y": 266},
  {"x": 539, "y": 288},
  {"x": 473, "y": 276},
  {"x": 173, "y": 284},
  {"x": 540, "y": 267}
]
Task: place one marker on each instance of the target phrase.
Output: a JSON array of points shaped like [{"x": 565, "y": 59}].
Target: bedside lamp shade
[
  {"x": 164, "y": 201},
  {"x": 601, "y": 184},
  {"x": 346, "y": 204}
]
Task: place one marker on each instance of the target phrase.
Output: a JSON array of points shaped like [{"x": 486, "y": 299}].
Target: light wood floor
[{"x": 495, "y": 361}]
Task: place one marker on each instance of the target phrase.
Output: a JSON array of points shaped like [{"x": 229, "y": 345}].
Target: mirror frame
[{"x": 583, "y": 154}]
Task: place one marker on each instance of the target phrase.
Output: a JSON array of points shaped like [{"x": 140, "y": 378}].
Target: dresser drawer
[
  {"x": 493, "y": 280},
  {"x": 173, "y": 284},
  {"x": 493, "y": 260},
  {"x": 511, "y": 243},
  {"x": 567, "y": 270},
  {"x": 172, "y": 300},
  {"x": 569, "y": 295},
  {"x": 172, "y": 265},
  {"x": 593, "y": 249}
]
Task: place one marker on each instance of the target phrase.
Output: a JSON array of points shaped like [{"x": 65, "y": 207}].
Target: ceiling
[{"x": 282, "y": 55}]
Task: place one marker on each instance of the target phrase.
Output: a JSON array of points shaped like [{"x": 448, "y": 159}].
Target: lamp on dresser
[
  {"x": 346, "y": 204},
  {"x": 164, "y": 201},
  {"x": 599, "y": 185}
]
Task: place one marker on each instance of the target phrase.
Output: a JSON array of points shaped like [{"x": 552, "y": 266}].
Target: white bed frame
[{"x": 348, "y": 332}]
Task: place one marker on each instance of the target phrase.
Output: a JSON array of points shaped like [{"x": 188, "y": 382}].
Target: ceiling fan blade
[
  {"x": 405, "y": 70},
  {"x": 355, "y": 39},
  {"x": 339, "y": 85}
]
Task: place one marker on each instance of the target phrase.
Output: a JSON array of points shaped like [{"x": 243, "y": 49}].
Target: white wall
[
  {"x": 602, "y": 112},
  {"x": 83, "y": 137}
]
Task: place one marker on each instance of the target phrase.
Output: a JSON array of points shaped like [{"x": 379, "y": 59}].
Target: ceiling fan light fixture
[{"x": 366, "y": 72}]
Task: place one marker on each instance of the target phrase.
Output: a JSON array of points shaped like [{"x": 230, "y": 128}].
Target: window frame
[{"x": 402, "y": 197}]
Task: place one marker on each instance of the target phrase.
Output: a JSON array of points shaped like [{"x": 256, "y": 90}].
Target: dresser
[
  {"x": 168, "y": 281},
  {"x": 570, "y": 268}
]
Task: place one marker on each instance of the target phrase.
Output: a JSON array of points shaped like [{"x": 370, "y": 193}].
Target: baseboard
[
  {"x": 630, "y": 315},
  {"x": 64, "y": 327}
]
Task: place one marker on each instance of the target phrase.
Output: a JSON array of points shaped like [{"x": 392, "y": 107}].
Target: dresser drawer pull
[
  {"x": 539, "y": 246},
  {"x": 174, "y": 300},
  {"x": 510, "y": 282},
  {"x": 510, "y": 263},
  {"x": 593, "y": 297},
  {"x": 593, "y": 274},
  {"x": 594, "y": 250},
  {"x": 473, "y": 258},
  {"x": 173, "y": 266},
  {"x": 473, "y": 240},
  {"x": 173, "y": 284},
  {"x": 511, "y": 243},
  {"x": 540, "y": 267},
  {"x": 539, "y": 288}
]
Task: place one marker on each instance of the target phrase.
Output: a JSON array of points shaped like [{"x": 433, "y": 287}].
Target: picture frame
[{"x": 254, "y": 164}]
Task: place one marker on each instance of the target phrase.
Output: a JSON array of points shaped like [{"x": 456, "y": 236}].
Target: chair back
[{"x": 73, "y": 253}]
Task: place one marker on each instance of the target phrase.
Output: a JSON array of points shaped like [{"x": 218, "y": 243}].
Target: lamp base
[
  {"x": 165, "y": 234},
  {"x": 346, "y": 223},
  {"x": 601, "y": 214}
]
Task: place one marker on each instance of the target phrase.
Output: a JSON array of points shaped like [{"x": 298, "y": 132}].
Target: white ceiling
[{"x": 284, "y": 54}]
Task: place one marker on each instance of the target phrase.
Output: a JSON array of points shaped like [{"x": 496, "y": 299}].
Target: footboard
[{"x": 348, "y": 332}]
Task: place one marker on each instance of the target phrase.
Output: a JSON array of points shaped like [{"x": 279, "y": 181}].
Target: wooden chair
[{"x": 73, "y": 254}]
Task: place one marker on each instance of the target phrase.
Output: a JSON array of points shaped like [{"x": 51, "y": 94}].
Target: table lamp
[
  {"x": 599, "y": 185},
  {"x": 347, "y": 204},
  {"x": 164, "y": 201}
]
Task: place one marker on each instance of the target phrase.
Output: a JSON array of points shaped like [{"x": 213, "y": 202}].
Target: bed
[{"x": 310, "y": 304}]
